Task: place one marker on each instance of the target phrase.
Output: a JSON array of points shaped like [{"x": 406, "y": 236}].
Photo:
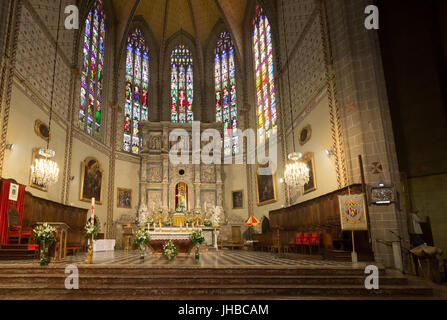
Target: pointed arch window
[
  {"x": 136, "y": 91},
  {"x": 182, "y": 85},
  {"x": 225, "y": 89},
  {"x": 264, "y": 76},
  {"x": 90, "y": 114}
]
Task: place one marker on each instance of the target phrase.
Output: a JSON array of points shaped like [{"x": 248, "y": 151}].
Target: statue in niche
[
  {"x": 155, "y": 143},
  {"x": 181, "y": 200}
]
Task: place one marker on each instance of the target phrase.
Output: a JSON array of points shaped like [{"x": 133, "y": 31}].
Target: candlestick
[{"x": 93, "y": 208}]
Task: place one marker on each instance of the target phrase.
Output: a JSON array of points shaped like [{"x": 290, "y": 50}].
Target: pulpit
[{"x": 60, "y": 247}]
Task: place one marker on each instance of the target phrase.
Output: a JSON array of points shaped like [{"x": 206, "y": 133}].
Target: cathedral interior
[{"x": 107, "y": 85}]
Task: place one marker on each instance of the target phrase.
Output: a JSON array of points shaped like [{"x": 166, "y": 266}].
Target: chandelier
[
  {"x": 296, "y": 173},
  {"x": 44, "y": 171}
]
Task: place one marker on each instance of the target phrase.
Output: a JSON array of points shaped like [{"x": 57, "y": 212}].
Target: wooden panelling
[
  {"x": 321, "y": 215},
  {"x": 41, "y": 210}
]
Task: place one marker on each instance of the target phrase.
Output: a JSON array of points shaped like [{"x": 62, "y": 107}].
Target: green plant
[{"x": 207, "y": 223}]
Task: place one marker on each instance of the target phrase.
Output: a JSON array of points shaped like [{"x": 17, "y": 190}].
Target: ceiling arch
[{"x": 196, "y": 17}]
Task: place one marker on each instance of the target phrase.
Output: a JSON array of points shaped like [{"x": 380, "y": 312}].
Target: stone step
[
  {"x": 135, "y": 281},
  {"x": 124, "y": 292},
  {"x": 186, "y": 271}
]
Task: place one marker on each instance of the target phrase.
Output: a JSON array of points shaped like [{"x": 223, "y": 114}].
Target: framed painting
[
  {"x": 92, "y": 179},
  {"x": 124, "y": 198},
  {"x": 308, "y": 159},
  {"x": 33, "y": 184},
  {"x": 305, "y": 135},
  {"x": 238, "y": 199},
  {"x": 266, "y": 188}
]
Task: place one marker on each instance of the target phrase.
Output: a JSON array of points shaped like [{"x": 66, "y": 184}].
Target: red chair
[
  {"x": 15, "y": 231},
  {"x": 306, "y": 240},
  {"x": 315, "y": 241}
]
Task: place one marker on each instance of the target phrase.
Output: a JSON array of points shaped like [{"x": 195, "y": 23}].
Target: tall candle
[
  {"x": 93, "y": 208},
  {"x": 205, "y": 207}
]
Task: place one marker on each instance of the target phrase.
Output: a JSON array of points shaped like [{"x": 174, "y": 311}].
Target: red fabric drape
[{"x": 5, "y": 205}]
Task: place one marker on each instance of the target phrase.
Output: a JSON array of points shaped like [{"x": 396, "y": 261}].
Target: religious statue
[
  {"x": 216, "y": 216},
  {"x": 143, "y": 215},
  {"x": 181, "y": 199}
]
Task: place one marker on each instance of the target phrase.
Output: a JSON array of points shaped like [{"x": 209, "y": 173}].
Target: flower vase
[
  {"x": 89, "y": 256},
  {"x": 142, "y": 251},
  {"x": 197, "y": 256},
  {"x": 43, "y": 253}
]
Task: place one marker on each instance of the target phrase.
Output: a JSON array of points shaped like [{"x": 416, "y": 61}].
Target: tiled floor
[{"x": 207, "y": 260}]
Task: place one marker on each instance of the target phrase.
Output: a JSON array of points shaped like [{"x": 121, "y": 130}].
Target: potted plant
[
  {"x": 196, "y": 239},
  {"x": 44, "y": 235},
  {"x": 142, "y": 239},
  {"x": 170, "y": 250}
]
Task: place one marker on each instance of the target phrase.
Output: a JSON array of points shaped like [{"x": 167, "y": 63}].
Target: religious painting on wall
[
  {"x": 124, "y": 198},
  {"x": 35, "y": 184},
  {"x": 238, "y": 199},
  {"x": 266, "y": 188},
  {"x": 41, "y": 129},
  {"x": 308, "y": 159},
  {"x": 305, "y": 135},
  {"x": 92, "y": 179}
]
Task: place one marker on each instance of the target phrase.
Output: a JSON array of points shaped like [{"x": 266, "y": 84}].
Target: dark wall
[{"x": 413, "y": 37}]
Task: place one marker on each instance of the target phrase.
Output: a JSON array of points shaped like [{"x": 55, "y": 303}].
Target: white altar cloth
[
  {"x": 103, "y": 245},
  {"x": 166, "y": 235}
]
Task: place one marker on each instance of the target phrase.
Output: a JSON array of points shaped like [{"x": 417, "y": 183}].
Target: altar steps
[{"x": 118, "y": 283}]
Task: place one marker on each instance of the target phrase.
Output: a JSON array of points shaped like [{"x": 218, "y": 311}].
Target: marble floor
[{"x": 225, "y": 258}]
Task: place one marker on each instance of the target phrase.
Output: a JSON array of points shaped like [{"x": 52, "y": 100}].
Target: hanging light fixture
[
  {"x": 296, "y": 173},
  {"x": 45, "y": 171}
]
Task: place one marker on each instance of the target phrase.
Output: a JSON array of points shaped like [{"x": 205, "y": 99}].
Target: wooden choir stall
[
  {"x": 69, "y": 222},
  {"x": 319, "y": 216}
]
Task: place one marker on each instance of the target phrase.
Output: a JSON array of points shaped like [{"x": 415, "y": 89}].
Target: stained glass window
[
  {"x": 264, "y": 76},
  {"x": 90, "y": 114},
  {"x": 225, "y": 88},
  {"x": 182, "y": 85},
  {"x": 136, "y": 91}
]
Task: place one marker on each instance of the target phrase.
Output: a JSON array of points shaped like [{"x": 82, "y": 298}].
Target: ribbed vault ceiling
[{"x": 197, "y": 17}]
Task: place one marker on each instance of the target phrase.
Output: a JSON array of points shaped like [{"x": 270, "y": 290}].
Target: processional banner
[{"x": 352, "y": 212}]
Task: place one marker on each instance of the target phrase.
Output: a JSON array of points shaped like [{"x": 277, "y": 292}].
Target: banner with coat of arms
[{"x": 352, "y": 212}]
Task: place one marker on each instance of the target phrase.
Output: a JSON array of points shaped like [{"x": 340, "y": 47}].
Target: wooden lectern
[{"x": 60, "y": 247}]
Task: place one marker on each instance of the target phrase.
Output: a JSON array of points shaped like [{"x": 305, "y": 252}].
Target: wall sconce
[
  {"x": 329, "y": 152},
  {"x": 10, "y": 146}
]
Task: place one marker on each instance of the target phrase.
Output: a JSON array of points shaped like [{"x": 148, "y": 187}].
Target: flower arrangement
[
  {"x": 142, "y": 237},
  {"x": 207, "y": 223},
  {"x": 91, "y": 229},
  {"x": 197, "y": 237},
  {"x": 44, "y": 233},
  {"x": 170, "y": 250}
]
